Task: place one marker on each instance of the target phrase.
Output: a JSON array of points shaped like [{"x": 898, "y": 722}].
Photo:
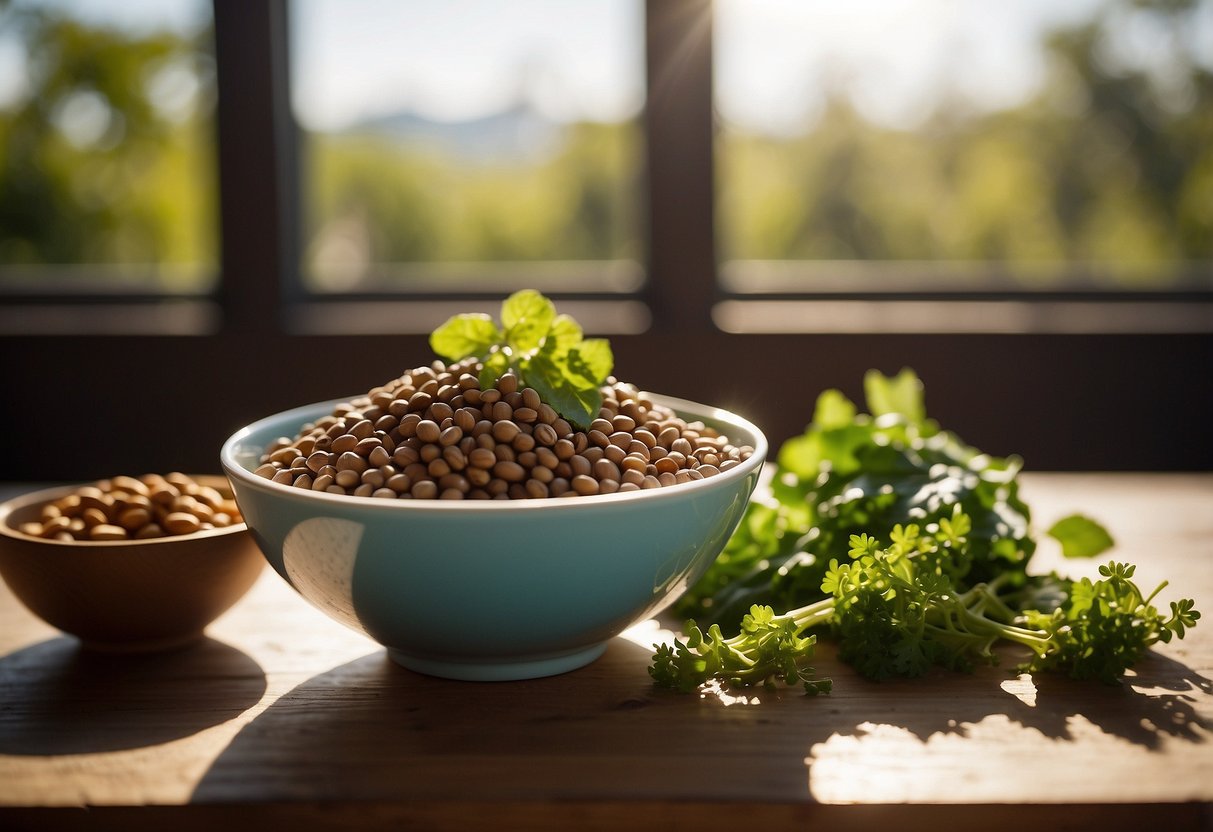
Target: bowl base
[
  {"x": 503, "y": 670},
  {"x": 150, "y": 645}
]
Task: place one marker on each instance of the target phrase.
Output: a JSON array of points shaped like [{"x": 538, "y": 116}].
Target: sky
[
  {"x": 463, "y": 58},
  {"x": 775, "y": 58},
  {"x": 583, "y": 59}
]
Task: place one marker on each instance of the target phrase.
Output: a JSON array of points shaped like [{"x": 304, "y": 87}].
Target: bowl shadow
[
  {"x": 61, "y": 698},
  {"x": 372, "y": 730}
]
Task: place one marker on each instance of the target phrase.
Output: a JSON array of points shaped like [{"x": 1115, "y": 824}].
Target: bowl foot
[
  {"x": 150, "y": 645},
  {"x": 499, "y": 670}
]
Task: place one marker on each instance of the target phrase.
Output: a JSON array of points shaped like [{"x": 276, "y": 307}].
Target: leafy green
[
  {"x": 464, "y": 335},
  {"x": 545, "y": 350},
  {"x": 951, "y": 584},
  {"x": 527, "y": 316},
  {"x": 1080, "y": 537},
  {"x": 895, "y": 611},
  {"x": 856, "y": 473},
  {"x": 1105, "y": 626},
  {"x": 768, "y": 649}
]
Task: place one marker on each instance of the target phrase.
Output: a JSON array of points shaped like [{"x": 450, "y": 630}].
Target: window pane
[
  {"x": 107, "y": 163},
  {"x": 1062, "y": 141},
  {"x": 439, "y": 137}
]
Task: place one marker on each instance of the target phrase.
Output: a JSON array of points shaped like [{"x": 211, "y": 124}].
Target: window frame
[{"x": 160, "y": 382}]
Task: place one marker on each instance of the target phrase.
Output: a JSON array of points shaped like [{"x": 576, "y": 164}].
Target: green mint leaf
[
  {"x": 564, "y": 334},
  {"x": 464, "y": 336},
  {"x": 592, "y": 360},
  {"x": 547, "y": 351},
  {"x": 527, "y": 316},
  {"x": 902, "y": 393},
  {"x": 572, "y": 396},
  {"x": 1081, "y": 537}
]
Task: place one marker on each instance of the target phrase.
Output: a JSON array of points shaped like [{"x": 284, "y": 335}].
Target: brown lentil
[
  {"x": 584, "y": 484},
  {"x": 433, "y": 433}
]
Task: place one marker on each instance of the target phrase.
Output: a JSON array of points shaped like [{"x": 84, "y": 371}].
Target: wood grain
[{"x": 283, "y": 715}]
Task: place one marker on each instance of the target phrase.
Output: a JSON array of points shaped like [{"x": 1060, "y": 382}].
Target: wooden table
[{"x": 284, "y": 716}]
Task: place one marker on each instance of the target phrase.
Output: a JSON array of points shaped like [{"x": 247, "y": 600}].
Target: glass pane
[
  {"x": 107, "y": 162},
  {"x": 1069, "y": 143},
  {"x": 439, "y": 137}
]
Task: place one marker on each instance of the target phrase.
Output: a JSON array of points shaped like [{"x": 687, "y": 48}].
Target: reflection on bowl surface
[
  {"x": 126, "y": 595},
  {"x": 490, "y": 590}
]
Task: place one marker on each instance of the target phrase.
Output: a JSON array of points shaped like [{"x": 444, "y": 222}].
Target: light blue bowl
[{"x": 492, "y": 590}]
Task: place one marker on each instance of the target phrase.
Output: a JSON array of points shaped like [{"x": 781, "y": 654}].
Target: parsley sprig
[
  {"x": 951, "y": 584},
  {"x": 895, "y": 611},
  {"x": 769, "y": 649},
  {"x": 546, "y": 351},
  {"x": 1106, "y": 625}
]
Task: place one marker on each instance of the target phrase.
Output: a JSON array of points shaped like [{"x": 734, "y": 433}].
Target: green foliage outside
[
  {"x": 96, "y": 165},
  {"x": 378, "y": 200},
  {"x": 1104, "y": 166}
]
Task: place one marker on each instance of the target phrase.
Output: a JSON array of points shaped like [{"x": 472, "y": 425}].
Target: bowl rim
[
  {"x": 304, "y": 413},
  {"x": 45, "y": 495}
]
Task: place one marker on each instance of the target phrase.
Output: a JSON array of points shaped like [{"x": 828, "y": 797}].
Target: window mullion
[
  {"x": 257, "y": 166},
  {"x": 681, "y": 191}
]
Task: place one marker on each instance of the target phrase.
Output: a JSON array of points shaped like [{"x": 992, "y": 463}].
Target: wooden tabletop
[{"x": 284, "y": 716}]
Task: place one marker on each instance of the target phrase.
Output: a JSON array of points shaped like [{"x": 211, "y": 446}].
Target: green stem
[{"x": 811, "y": 616}]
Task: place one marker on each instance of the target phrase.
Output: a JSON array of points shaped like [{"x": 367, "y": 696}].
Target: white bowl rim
[
  {"x": 696, "y": 411},
  {"x": 46, "y": 495}
]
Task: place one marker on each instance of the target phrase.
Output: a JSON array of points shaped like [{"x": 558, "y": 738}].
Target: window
[
  {"x": 107, "y": 173},
  {"x": 469, "y": 143},
  {"x": 911, "y": 147},
  {"x": 716, "y": 260}
]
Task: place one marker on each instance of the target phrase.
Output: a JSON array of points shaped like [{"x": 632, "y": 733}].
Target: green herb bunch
[
  {"x": 895, "y": 611},
  {"x": 1105, "y": 626},
  {"x": 546, "y": 351},
  {"x": 950, "y": 586},
  {"x": 854, "y": 473},
  {"x": 770, "y": 648}
]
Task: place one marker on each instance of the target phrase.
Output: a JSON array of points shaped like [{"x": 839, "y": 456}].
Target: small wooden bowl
[{"x": 127, "y": 595}]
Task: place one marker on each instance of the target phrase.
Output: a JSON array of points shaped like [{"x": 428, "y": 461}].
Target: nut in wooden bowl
[{"x": 125, "y": 593}]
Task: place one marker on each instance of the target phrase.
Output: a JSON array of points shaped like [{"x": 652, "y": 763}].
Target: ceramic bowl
[
  {"x": 126, "y": 595},
  {"x": 492, "y": 590}
]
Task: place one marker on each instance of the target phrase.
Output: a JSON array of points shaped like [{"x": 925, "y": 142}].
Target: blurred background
[{"x": 769, "y": 196}]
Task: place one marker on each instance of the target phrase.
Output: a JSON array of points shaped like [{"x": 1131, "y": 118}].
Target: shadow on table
[
  {"x": 1163, "y": 705},
  {"x": 369, "y": 729},
  {"x": 57, "y": 698}
]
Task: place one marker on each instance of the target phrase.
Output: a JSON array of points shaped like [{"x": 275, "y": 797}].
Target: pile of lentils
[
  {"x": 434, "y": 433},
  {"x": 135, "y": 508}
]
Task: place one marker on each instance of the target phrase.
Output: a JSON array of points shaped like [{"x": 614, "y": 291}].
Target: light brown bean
[
  {"x": 105, "y": 531},
  {"x": 181, "y": 522},
  {"x": 584, "y": 485},
  {"x": 509, "y": 471}
]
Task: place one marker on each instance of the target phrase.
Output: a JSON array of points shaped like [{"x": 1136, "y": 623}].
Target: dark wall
[{"x": 87, "y": 407}]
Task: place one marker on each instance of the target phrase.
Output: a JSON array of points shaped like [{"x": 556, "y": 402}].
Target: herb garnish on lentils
[
  {"x": 464, "y": 430},
  {"x": 546, "y": 351}
]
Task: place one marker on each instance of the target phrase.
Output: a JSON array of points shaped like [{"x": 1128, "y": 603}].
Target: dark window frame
[{"x": 144, "y": 383}]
